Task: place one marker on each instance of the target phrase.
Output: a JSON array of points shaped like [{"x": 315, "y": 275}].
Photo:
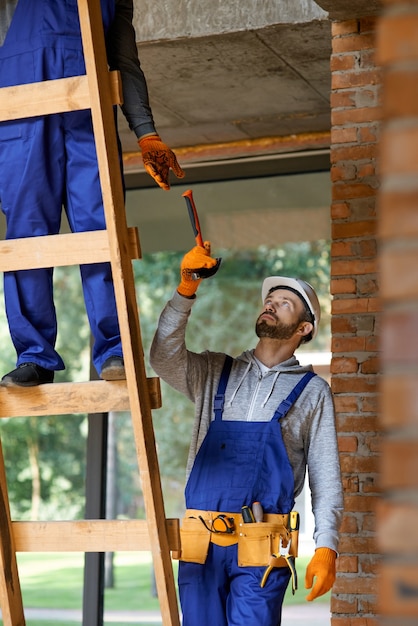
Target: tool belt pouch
[
  {"x": 195, "y": 539},
  {"x": 258, "y": 541}
]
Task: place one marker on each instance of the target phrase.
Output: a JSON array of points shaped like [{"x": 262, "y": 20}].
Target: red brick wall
[
  {"x": 398, "y": 238},
  {"x": 355, "y": 126}
]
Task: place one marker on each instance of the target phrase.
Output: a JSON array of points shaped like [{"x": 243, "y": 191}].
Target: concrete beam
[
  {"x": 200, "y": 18},
  {"x": 343, "y": 10}
]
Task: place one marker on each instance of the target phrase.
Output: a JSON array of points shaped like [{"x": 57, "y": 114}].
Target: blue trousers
[
  {"x": 48, "y": 163},
  {"x": 219, "y": 593}
]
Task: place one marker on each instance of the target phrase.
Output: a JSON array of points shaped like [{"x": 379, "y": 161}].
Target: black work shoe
[
  {"x": 27, "y": 375},
  {"x": 113, "y": 369}
]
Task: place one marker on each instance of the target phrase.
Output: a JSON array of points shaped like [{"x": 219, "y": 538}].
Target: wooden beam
[
  {"x": 66, "y": 249},
  {"x": 51, "y": 96},
  {"x": 242, "y": 148},
  {"x": 96, "y": 396},
  {"x": 124, "y": 284},
  {"x": 89, "y": 536}
]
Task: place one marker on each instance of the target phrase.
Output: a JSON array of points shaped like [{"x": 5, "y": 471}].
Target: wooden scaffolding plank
[
  {"x": 60, "y": 250},
  {"x": 90, "y": 536},
  {"x": 10, "y": 593},
  {"x": 97, "y": 396},
  {"x": 51, "y": 96},
  {"x": 113, "y": 200}
]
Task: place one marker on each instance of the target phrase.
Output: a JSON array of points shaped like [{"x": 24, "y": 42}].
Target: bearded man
[{"x": 261, "y": 420}]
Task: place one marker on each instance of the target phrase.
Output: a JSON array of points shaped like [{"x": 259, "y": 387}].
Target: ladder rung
[
  {"x": 89, "y": 536},
  {"x": 52, "y": 96},
  {"x": 67, "y": 249},
  {"x": 96, "y": 396}
]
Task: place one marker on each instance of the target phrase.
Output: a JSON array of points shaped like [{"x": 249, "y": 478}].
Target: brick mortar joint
[
  {"x": 348, "y": 123},
  {"x": 354, "y": 34},
  {"x": 352, "y": 144},
  {"x": 356, "y": 70},
  {"x": 355, "y": 88}
]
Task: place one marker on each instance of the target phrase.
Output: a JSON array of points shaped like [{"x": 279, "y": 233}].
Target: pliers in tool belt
[{"x": 290, "y": 561}]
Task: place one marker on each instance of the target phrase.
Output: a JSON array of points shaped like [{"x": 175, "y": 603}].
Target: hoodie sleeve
[
  {"x": 7, "y": 10},
  {"x": 324, "y": 472},
  {"x": 194, "y": 375},
  {"x": 182, "y": 369},
  {"x": 122, "y": 54}
]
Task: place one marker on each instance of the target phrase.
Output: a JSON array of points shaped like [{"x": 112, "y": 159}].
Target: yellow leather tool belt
[{"x": 257, "y": 541}]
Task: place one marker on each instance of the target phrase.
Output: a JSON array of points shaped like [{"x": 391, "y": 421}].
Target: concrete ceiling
[
  {"x": 241, "y": 91},
  {"x": 233, "y": 85}
]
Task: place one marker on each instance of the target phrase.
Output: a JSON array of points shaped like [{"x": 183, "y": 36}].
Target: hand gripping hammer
[{"x": 203, "y": 272}]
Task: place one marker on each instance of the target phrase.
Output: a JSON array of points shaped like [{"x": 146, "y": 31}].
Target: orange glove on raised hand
[
  {"x": 194, "y": 260},
  {"x": 322, "y": 566},
  {"x": 158, "y": 159}
]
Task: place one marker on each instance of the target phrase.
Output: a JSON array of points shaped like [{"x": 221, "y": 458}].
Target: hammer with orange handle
[{"x": 203, "y": 272}]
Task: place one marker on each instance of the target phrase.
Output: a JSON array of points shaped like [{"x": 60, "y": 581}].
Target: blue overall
[
  {"x": 46, "y": 163},
  {"x": 237, "y": 464}
]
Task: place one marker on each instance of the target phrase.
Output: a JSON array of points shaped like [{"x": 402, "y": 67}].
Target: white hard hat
[{"x": 302, "y": 288}]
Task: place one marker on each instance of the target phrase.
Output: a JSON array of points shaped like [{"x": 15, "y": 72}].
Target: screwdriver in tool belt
[
  {"x": 294, "y": 520},
  {"x": 247, "y": 515},
  {"x": 258, "y": 512}
]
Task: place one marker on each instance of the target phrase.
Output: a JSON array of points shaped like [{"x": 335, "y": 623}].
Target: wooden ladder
[{"x": 98, "y": 90}]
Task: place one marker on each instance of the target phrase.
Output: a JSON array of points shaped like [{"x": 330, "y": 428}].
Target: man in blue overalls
[
  {"x": 47, "y": 162},
  {"x": 260, "y": 420}
]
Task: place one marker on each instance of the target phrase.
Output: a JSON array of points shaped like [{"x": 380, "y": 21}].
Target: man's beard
[{"x": 279, "y": 330}]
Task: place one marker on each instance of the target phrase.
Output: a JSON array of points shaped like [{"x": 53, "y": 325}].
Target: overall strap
[
  {"x": 219, "y": 400},
  {"x": 286, "y": 404}
]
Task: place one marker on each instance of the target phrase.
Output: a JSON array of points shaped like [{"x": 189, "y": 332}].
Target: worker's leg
[
  {"x": 248, "y": 603},
  {"x": 85, "y": 213},
  {"x": 31, "y": 170},
  {"x": 204, "y": 589}
]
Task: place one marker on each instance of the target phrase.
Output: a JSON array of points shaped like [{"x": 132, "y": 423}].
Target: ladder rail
[
  {"x": 10, "y": 592},
  {"x": 124, "y": 285}
]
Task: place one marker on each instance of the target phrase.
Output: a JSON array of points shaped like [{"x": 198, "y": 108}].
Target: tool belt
[{"x": 257, "y": 541}]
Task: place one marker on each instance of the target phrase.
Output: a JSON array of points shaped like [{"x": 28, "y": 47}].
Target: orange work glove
[
  {"x": 194, "y": 260},
  {"x": 322, "y": 566},
  {"x": 158, "y": 159}
]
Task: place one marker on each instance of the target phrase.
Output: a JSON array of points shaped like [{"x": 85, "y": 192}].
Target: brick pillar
[
  {"x": 398, "y": 237},
  {"x": 355, "y": 120}
]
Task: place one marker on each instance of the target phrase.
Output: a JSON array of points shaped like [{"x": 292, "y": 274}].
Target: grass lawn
[{"x": 55, "y": 581}]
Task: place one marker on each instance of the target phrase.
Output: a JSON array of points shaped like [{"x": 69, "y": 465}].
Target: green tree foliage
[{"x": 45, "y": 456}]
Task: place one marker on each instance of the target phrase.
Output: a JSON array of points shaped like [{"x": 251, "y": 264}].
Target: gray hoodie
[{"x": 308, "y": 429}]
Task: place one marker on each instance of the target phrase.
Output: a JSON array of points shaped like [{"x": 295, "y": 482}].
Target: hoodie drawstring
[
  {"x": 240, "y": 383},
  {"x": 247, "y": 369},
  {"x": 263, "y": 404}
]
